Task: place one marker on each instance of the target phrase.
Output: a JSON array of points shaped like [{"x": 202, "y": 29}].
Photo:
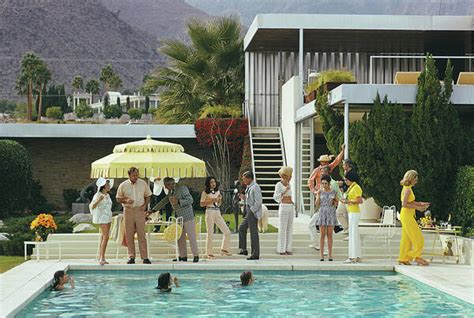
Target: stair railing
[
  {"x": 282, "y": 141},
  {"x": 247, "y": 113}
]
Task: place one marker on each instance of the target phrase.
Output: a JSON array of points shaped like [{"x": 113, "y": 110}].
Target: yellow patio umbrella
[{"x": 152, "y": 157}]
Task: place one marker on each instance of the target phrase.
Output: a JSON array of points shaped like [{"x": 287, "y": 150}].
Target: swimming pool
[{"x": 275, "y": 293}]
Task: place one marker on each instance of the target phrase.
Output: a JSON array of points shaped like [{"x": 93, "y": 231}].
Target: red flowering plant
[{"x": 232, "y": 130}]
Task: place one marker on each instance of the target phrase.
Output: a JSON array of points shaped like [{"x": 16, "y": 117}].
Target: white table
[{"x": 39, "y": 244}]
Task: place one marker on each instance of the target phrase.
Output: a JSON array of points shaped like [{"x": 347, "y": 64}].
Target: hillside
[
  {"x": 160, "y": 18},
  {"x": 73, "y": 37},
  {"x": 247, "y": 9}
]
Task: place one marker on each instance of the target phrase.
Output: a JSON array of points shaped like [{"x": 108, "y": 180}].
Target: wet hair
[
  {"x": 132, "y": 170},
  {"x": 248, "y": 174},
  {"x": 351, "y": 176},
  {"x": 245, "y": 278},
  {"x": 326, "y": 177},
  {"x": 164, "y": 281},
  {"x": 57, "y": 278},
  {"x": 208, "y": 184}
]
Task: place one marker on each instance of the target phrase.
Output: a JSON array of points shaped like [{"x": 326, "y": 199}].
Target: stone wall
[{"x": 64, "y": 163}]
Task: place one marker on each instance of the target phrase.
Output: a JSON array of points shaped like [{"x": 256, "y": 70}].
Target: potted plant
[
  {"x": 328, "y": 80},
  {"x": 43, "y": 225}
]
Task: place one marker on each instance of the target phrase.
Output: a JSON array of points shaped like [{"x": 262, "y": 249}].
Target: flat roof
[
  {"x": 357, "y": 33},
  {"x": 364, "y": 94},
  {"x": 95, "y": 131}
]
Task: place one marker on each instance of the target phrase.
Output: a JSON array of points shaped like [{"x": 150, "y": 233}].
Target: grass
[{"x": 8, "y": 262}]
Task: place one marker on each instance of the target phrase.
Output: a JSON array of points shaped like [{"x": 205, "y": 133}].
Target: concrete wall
[
  {"x": 63, "y": 163},
  {"x": 291, "y": 100}
]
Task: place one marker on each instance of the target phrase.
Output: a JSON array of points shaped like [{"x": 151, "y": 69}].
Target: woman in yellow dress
[{"x": 411, "y": 244}]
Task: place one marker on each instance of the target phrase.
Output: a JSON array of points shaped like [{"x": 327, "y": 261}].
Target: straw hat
[
  {"x": 287, "y": 171},
  {"x": 325, "y": 158}
]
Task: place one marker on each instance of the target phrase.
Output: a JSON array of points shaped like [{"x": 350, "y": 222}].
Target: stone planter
[{"x": 370, "y": 212}]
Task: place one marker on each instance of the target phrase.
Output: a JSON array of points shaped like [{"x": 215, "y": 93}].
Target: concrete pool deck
[{"x": 24, "y": 282}]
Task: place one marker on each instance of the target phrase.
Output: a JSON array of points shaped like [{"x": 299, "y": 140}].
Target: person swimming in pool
[
  {"x": 246, "y": 278},
  {"x": 60, "y": 279},
  {"x": 165, "y": 281}
]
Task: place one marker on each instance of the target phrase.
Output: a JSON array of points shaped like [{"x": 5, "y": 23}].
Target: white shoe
[
  {"x": 346, "y": 238},
  {"x": 314, "y": 246},
  {"x": 349, "y": 261}
]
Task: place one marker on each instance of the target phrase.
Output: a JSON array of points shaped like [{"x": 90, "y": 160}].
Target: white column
[
  {"x": 300, "y": 58},
  {"x": 346, "y": 130},
  {"x": 247, "y": 82}
]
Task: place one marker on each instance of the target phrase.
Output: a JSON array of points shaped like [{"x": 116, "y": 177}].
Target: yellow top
[
  {"x": 353, "y": 193},
  {"x": 411, "y": 198}
]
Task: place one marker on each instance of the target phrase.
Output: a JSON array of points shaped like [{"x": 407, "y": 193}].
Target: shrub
[
  {"x": 21, "y": 109},
  {"x": 16, "y": 172},
  {"x": 18, "y": 230},
  {"x": 154, "y": 112},
  {"x": 70, "y": 196},
  {"x": 220, "y": 111},
  {"x": 462, "y": 209},
  {"x": 37, "y": 202},
  {"x": 84, "y": 111},
  {"x": 54, "y": 112},
  {"x": 330, "y": 76},
  {"x": 135, "y": 113},
  {"x": 112, "y": 111},
  {"x": 7, "y": 106}
]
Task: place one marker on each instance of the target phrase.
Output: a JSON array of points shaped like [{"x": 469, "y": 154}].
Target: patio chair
[
  {"x": 406, "y": 77},
  {"x": 465, "y": 78},
  {"x": 386, "y": 229}
]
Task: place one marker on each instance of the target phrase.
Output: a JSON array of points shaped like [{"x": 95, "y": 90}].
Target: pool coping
[{"x": 26, "y": 281}]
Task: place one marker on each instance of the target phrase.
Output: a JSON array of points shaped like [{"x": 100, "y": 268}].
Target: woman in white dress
[
  {"x": 101, "y": 209},
  {"x": 286, "y": 211}
]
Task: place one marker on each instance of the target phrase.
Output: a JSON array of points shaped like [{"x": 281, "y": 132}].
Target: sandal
[
  {"x": 210, "y": 256},
  {"x": 102, "y": 262},
  {"x": 421, "y": 262},
  {"x": 404, "y": 263},
  {"x": 282, "y": 253},
  {"x": 226, "y": 253},
  {"x": 289, "y": 253},
  {"x": 322, "y": 260},
  {"x": 330, "y": 259}
]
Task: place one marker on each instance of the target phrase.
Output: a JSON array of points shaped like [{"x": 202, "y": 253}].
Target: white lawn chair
[{"x": 386, "y": 229}]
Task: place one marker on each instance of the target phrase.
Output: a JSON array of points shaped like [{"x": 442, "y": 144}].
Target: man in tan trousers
[{"x": 134, "y": 195}]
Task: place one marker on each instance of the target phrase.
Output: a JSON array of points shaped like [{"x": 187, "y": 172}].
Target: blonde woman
[
  {"x": 286, "y": 211},
  {"x": 411, "y": 244},
  {"x": 352, "y": 201},
  {"x": 211, "y": 199}
]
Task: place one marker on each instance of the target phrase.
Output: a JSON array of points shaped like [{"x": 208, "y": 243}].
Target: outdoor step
[
  {"x": 268, "y": 160},
  {"x": 267, "y": 155},
  {"x": 265, "y": 143}
]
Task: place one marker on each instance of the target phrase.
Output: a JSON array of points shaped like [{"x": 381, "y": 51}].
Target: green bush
[
  {"x": 220, "y": 111},
  {"x": 330, "y": 76},
  {"x": 462, "y": 209},
  {"x": 54, "y": 112},
  {"x": 70, "y": 196},
  {"x": 112, "y": 111},
  {"x": 7, "y": 106},
  {"x": 18, "y": 230},
  {"x": 135, "y": 113},
  {"x": 37, "y": 203},
  {"x": 154, "y": 112},
  {"x": 84, "y": 111},
  {"x": 21, "y": 109},
  {"x": 16, "y": 180}
]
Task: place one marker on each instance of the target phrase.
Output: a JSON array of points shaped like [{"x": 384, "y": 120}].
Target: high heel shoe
[
  {"x": 404, "y": 263},
  {"x": 226, "y": 253}
]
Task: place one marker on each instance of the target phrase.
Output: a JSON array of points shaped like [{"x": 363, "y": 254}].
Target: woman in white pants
[
  {"x": 286, "y": 211},
  {"x": 211, "y": 199},
  {"x": 352, "y": 201}
]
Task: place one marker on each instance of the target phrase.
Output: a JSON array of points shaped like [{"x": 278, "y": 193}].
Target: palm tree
[
  {"x": 78, "y": 83},
  {"x": 110, "y": 78},
  {"x": 93, "y": 88},
  {"x": 43, "y": 77},
  {"x": 208, "y": 71},
  {"x": 29, "y": 66}
]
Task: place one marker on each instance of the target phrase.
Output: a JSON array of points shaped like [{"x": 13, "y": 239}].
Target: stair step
[
  {"x": 266, "y": 149},
  {"x": 268, "y": 167},
  {"x": 268, "y": 160},
  {"x": 267, "y": 155},
  {"x": 266, "y": 138},
  {"x": 265, "y": 143}
]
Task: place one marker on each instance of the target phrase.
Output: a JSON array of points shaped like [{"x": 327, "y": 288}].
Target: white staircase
[
  {"x": 268, "y": 159},
  {"x": 306, "y": 168}
]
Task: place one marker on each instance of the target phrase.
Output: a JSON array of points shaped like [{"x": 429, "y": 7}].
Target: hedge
[
  {"x": 16, "y": 172},
  {"x": 463, "y": 200}
]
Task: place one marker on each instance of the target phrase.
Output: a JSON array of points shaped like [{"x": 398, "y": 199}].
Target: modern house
[
  {"x": 136, "y": 100},
  {"x": 283, "y": 50}
]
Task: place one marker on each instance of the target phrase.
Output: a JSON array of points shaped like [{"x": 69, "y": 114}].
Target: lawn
[{"x": 7, "y": 262}]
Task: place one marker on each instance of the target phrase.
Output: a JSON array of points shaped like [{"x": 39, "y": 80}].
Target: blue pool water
[{"x": 275, "y": 293}]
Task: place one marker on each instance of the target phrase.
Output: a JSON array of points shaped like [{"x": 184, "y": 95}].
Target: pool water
[{"x": 275, "y": 293}]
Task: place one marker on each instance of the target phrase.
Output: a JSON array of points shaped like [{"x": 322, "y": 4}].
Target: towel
[{"x": 117, "y": 230}]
